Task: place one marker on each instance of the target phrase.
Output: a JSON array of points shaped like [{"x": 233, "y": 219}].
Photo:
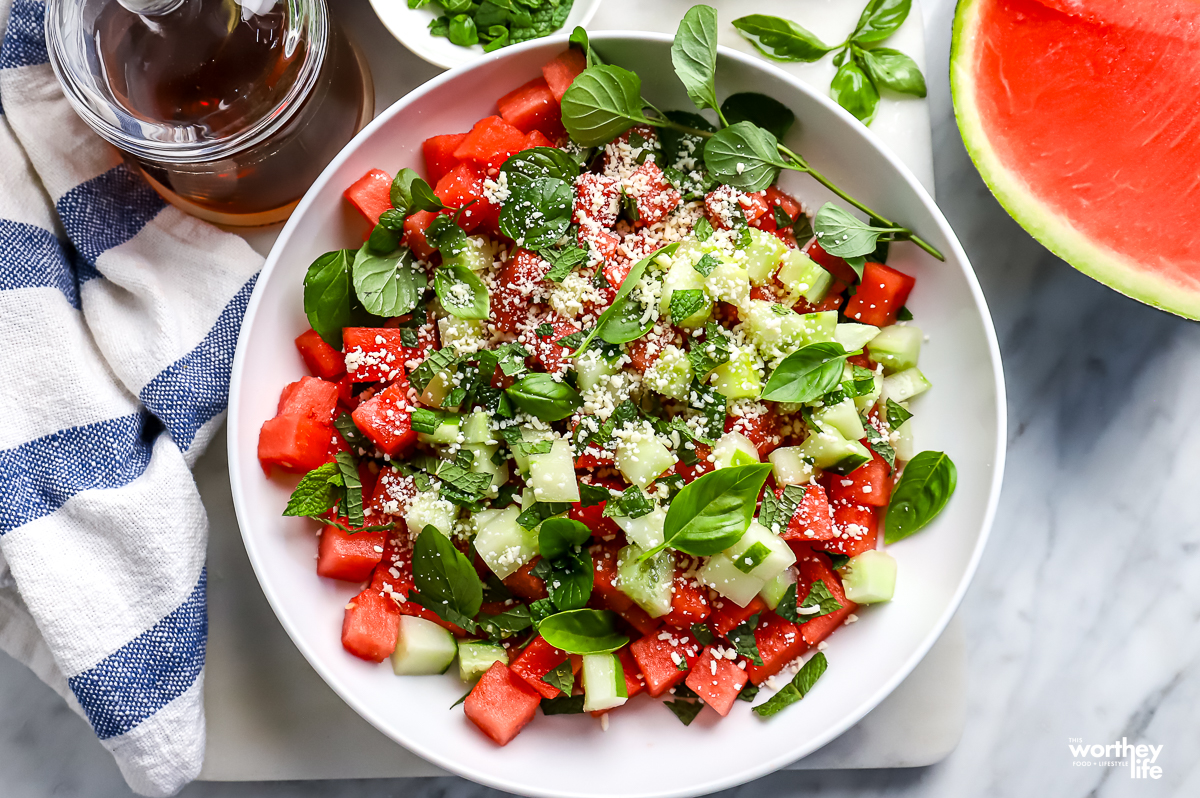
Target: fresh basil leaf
[
  {"x": 462, "y": 31},
  {"x": 507, "y": 623},
  {"x": 854, "y": 91},
  {"x": 927, "y": 483},
  {"x": 703, "y": 634},
  {"x": 859, "y": 264},
  {"x": 445, "y": 579},
  {"x": 807, "y": 374},
  {"x": 318, "y": 491},
  {"x": 540, "y": 396},
  {"x": 879, "y": 444},
  {"x": 527, "y": 166},
  {"x": 382, "y": 239},
  {"x": 559, "y": 536},
  {"x": 540, "y": 610},
  {"x": 541, "y": 511},
  {"x": 563, "y": 705},
  {"x": 387, "y": 285},
  {"x": 686, "y": 711},
  {"x": 538, "y": 213},
  {"x": 561, "y": 677},
  {"x": 743, "y": 641},
  {"x": 602, "y": 103},
  {"x": 579, "y": 38},
  {"x": 761, "y": 110},
  {"x": 582, "y": 631},
  {"x": 880, "y": 19},
  {"x": 631, "y": 279},
  {"x": 686, "y": 302},
  {"x": 497, "y": 37},
  {"x": 401, "y": 191},
  {"x": 896, "y": 414},
  {"x": 892, "y": 69},
  {"x": 444, "y": 235},
  {"x": 461, "y": 292},
  {"x": 781, "y": 39},
  {"x": 712, "y": 513},
  {"x": 329, "y": 299},
  {"x": 844, "y": 235},
  {"x": 797, "y": 688},
  {"x": 439, "y": 361},
  {"x": 570, "y": 581},
  {"x": 694, "y": 55},
  {"x": 744, "y": 156},
  {"x": 629, "y": 323},
  {"x": 632, "y": 503},
  {"x": 352, "y": 506},
  {"x": 439, "y": 26},
  {"x": 423, "y": 198}
]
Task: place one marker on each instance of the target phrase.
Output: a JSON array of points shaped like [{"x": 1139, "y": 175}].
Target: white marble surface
[{"x": 1082, "y": 620}]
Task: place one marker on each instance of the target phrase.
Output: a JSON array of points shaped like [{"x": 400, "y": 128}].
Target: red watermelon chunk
[
  {"x": 653, "y": 194},
  {"x": 726, "y": 615},
  {"x": 373, "y": 354},
  {"x": 501, "y": 704},
  {"x": 664, "y": 658},
  {"x": 538, "y": 659},
  {"x": 532, "y": 107},
  {"x": 439, "y": 155},
  {"x": 322, "y": 359},
  {"x": 812, "y": 519},
  {"x": 414, "y": 234},
  {"x": 779, "y": 642},
  {"x": 880, "y": 295},
  {"x": 855, "y": 528},
  {"x": 809, "y": 570},
  {"x": 869, "y": 484},
  {"x": 762, "y": 428},
  {"x": 716, "y": 680},
  {"x": 371, "y": 626},
  {"x": 562, "y": 71},
  {"x": 689, "y": 603},
  {"x": 489, "y": 143},
  {"x": 462, "y": 187},
  {"x": 347, "y": 556},
  {"x": 386, "y": 418},
  {"x": 371, "y": 194}
]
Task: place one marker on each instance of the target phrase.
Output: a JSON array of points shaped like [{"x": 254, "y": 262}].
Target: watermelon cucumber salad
[{"x": 595, "y": 413}]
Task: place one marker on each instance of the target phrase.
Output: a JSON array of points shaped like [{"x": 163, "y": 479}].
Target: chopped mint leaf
[
  {"x": 561, "y": 677},
  {"x": 797, "y": 688},
  {"x": 896, "y": 415},
  {"x": 702, "y": 229},
  {"x": 749, "y": 693},
  {"x": 706, "y": 264},
  {"x": 563, "y": 705},
  {"x": 904, "y": 314},
  {"x": 742, "y": 639},
  {"x": 686, "y": 711},
  {"x": 632, "y": 503},
  {"x": 703, "y": 634}
]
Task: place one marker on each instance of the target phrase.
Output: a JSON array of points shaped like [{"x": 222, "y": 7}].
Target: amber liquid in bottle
[{"x": 214, "y": 72}]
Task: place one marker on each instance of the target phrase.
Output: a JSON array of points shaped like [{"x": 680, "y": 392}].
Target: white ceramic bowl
[
  {"x": 410, "y": 26},
  {"x": 646, "y": 751}
]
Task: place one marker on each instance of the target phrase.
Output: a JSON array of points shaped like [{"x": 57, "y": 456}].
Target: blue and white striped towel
[{"x": 118, "y": 319}]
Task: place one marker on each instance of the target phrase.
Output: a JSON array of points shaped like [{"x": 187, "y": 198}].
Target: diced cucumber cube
[
  {"x": 502, "y": 543},
  {"x": 728, "y": 445},
  {"x": 842, "y": 417},
  {"x": 429, "y": 509},
  {"x": 645, "y": 532},
  {"x": 854, "y": 336},
  {"x": 552, "y": 475},
  {"x": 591, "y": 367},
  {"x": 763, "y": 255},
  {"x": 804, "y": 277},
  {"x": 789, "y": 466},
  {"x": 870, "y": 577},
  {"x": 648, "y": 582},
  {"x": 904, "y": 385},
  {"x": 462, "y": 335},
  {"x": 816, "y": 328},
  {"x": 902, "y": 442},
  {"x": 446, "y": 432},
  {"x": 740, "y": 377},
  {"x": 529, "y": 436},
  {"x": 477, "y": 428},
  {"x": 603, "y": 682},
  {"x": 772, "y": 592},
  {"x": 897, "y": 348},
  {"x": 422, "y": 648},
  {"x": 728, "y": 282},
  {"x": 642, "y": 458},
  {"x": 828, "y": 450},
  {"x": 483, "y": 463},
  {"x": 671, "y": 374},
  {"x": 437, "y": 389},
  {"x": 722, "y": 575},
  {"x": 474, "y": 658},
  {"x": 760, "y": 554},
  {"x": 683, "y": 277},
  {"x": 475, "y": 256}
]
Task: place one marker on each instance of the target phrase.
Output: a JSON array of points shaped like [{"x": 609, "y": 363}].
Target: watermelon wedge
[{"x": 1084, "y": 120}]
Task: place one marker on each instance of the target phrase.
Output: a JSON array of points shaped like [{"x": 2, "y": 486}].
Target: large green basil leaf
[
  {"x": 446, "y": 581},
  {"x": 926, "y": 485},
  {"x": 807, "y": 374},
  {"x": 388, "y": 285},
  {"x": 880, "y": 19},
  {"x": 583, "y": 632},
  {"x": 461, "y": 292},
  {"x": 329, "y": 300},
  {"x": 631, "y": 279},
  {"x": 781, "y": 39},
  {"x": 854, "y": 91},
  {"x": 893, "y": 70},
  {"x": 539, "y": 395},
  {"x": 694, "y": 55},
  {"x": 602, "y": 103},
  {"x": 712, "y": 513},
  {"x": 744, "y": 156},
  {"x": 538, "y": 213},
  {"x": 526, "y": 166},
  {"x": 844, "y": 235}
]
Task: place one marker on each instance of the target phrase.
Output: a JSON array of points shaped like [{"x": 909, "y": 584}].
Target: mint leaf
[
  {"x": 686, "y": 711},
  {"x": 318, "y": 491},
  {"x": 686, "y": 302},
  {"x": 896, "y": 415},
  {"x": 632, "y": 503},
  {"x": 561, "y": 677},
  {"x": 743, "y": 641},
  {"x": 797, "y": 688},
  {"x": 352, "y": 507}
]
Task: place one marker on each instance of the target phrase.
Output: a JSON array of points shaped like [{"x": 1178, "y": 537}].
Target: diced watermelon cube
[
  {"x": 779, "y": 642},
  {"x": 322, "y": 359},
  {"x": 520, "y": 282},
  {"x": 392, "y": 495},
  {"x": 294, "y": 443},
  {"x": 489, "y": 143},
  {"x": 639, "y": 619},
  {"x": 532, "y": 107},
  {"x": 538, "y": 659},
  {"x": 501, "y": 704},
  {"x": 723, "y": 203},
  {"x": 525, "y": 584},
  {"x": 593, "y": 517},
  {"x": 414, "y": 234},
  {"x": 716, "y": 680},
  {"x": 635, "y": 682},
  {"x": 374, "y": 354},
  {"x": 547, "y": 351},
  {"x": 880, "y": 295},
  {"x": 439, "y": 155},
  {"x": 689, "y": 603},
  {"x": 664, "y": 658},
  {"x": 869, "y": 484},
  {"x": 462, "y": 187},
  {"x": 761, "y": 428},
  {"x": 604, "y": 242},
  {"x": 371, "y": 626},
  {"x": 537, "y": 138},
  {"x": 841, "y": 270},
  {"x": 562, "y": 71},
  {"x": 597, "y": 200},
  {"x": 386, "y": 418},
  {"x": 371, "y": 194},
  {"x": 855, "y": 528},
  {"x": 653, "y": 194},
  {"x": 809, "y": 570},
  {"x": 777, "y": 199},
  {"x": 604, "y": 578},
  {"x": 351, "y": 557},
  {"x": 310, "y": 397},
  {"x": 812, "y": 520},
  {"x": 726, "y": 615}
]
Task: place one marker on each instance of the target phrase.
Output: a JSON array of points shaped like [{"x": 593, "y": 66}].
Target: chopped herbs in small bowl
[{"x": 451, "y": 33}]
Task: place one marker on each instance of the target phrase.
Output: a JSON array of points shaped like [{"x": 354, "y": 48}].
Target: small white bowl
[
  {"x": 411, "y": 28},
  {"x": 646, "y": 751}
]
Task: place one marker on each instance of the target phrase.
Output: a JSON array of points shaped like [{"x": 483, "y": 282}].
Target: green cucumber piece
[
  {"x": 830, "y": 451},
  {"x": 740, "y": 377},
  {"x": 853, "y": 336},
  {"x": 502, "y": 543},
  {"x": 552, "y": 475},
  {"x": 474, "y": 658},
  {"x": 446, "y": 432},
  {"x": 723, "y": 576},
  {"x": 473, "y": 256},
  {"x": 763, "y": 255},
  {"x": 670, "y": 374},
  {"x": 728, "y": 282},
  {"x": 760, "y": 554},
  {"x": 429, "y": 509},
  {"x": 789, "y": 466},
  {"x": 902, "y": 442},
  {"x": 483, "y": 462},
  {"x": 647, "y": 582},
  {"x": 645, "y": 532},
  {"x": 591, "y": 367},
  {"x": 904, "y": 385},
  {"x": 804, "y": 277},
  {"x": 843, "y": 418},
  {"x": 729, "y": 445},
  {"x": 603, "y": 682},
  {"x": 683, "y": 277},
  {"x": 641, "y": 461},
  {"x": 422, "y": 648},
  {"x": 529, "y": 436},
  {"x": 870, "y": 577},
  {"x": 477, "y": 428},
  {"x": 772, "y": 592},
  {"x": 896, "y": 348}
]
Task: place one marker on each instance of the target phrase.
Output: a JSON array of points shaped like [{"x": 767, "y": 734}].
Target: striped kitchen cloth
[{"x": 118, "y": 319}]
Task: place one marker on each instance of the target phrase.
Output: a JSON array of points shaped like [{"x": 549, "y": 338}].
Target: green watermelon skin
[{"x": 1085, "y": 124}]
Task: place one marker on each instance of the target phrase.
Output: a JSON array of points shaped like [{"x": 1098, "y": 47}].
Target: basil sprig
[
  {"x": 446, "y": 582},
  {"x": 797, "y": 688},
  {"x": 807, "y": 374},
  {"x": 539, "y": 395},
  {"x": 583, "y": 631},
  {"x": 694, "y": 56},
  {"x": 558, "y": 536},
  {"x": 845, "y": 236},
  {"x": 712, "y": 513},
  {"x": 614, "y": 310},
  {"x": 744, "y": 156},
  {"x": 926, "y": 485}
]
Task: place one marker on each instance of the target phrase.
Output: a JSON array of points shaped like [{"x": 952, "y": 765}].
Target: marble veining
[{"x": 1081, "y": 622}]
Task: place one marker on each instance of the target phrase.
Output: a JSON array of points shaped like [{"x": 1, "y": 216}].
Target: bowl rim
[
  {"x": 759, "y": 769},
  {"x": 415, "y": 43}
]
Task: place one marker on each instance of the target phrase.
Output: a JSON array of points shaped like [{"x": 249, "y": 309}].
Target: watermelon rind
[{"x": 1118, "y": 270}]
